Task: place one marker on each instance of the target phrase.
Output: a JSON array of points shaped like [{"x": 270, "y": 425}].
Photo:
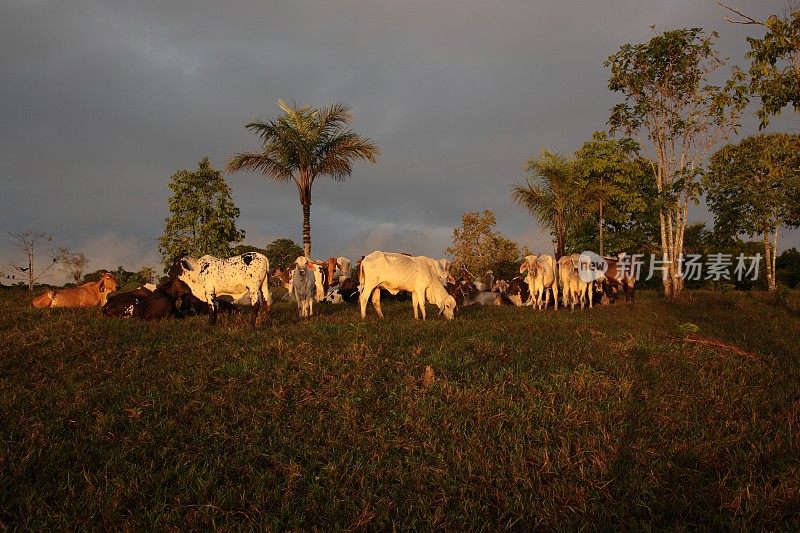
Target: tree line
[{"x": 626, "y": 189}]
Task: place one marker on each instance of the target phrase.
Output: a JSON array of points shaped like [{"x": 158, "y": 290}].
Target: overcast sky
[{"x": 103, "y": 100}]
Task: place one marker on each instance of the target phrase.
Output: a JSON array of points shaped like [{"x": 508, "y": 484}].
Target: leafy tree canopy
[
  {"x": 477, "y": 247},
  {"x": 755, "y": 184},
  {"x": 203, "y": 219}
]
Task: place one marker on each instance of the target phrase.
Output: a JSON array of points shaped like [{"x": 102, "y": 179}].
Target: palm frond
[
  {"x": 259, "y": 162},
  {"x": 539, "y": 202}
]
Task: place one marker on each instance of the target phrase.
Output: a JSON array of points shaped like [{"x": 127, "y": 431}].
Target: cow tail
[{"x": 361, "y": 277}]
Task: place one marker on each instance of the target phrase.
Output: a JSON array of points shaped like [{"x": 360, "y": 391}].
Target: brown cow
[
  {"x": 616, "y": 277},
  {"x": 92, "y": 294}
]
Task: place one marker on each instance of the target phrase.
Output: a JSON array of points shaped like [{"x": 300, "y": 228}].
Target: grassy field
[{"x": 535, "y": 419}]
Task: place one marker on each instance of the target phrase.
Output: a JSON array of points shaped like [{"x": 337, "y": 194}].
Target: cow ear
[
  {"x": 523, "y": 267},
  {"x": 102, "y": 287},
  {"x": 186, "y": 265}
]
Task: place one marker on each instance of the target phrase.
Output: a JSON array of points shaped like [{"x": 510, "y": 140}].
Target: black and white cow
[{"x": 210, "y": 278}]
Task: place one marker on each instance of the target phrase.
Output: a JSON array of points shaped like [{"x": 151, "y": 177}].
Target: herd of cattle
[{"x": 210, "y": 285}]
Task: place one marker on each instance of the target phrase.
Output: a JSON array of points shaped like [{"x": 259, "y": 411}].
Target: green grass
[{"x": 536, "y": 419}]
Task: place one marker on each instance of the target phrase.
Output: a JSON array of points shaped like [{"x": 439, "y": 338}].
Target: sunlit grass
[{"x": 542, "y": 419}]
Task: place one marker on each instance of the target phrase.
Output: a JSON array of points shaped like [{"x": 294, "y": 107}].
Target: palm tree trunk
[{"x": 307, "y": 229}]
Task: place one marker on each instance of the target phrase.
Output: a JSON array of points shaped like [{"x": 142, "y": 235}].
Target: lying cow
[
  {"x": 344, "y": 292},
  {"x": 209, "y": 278},
  {"x": 92, "y": 294},
  {"x": 170, "y": 299},
  {"x": 397, "y": 272},
  {"x": 515, "y": 292},
  {"x": 122, "y": 304}
]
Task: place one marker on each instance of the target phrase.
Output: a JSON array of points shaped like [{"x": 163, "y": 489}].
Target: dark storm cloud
[{"x": 103, "y": 101}]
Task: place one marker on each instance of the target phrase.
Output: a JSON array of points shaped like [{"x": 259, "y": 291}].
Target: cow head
[
  {"x": 500, "y": 286},
  {"x": 108, "y": 283},
  {"x": 448, "y": 307},
  {"x": 301, "y": 266},
  {"x": 179, "y": 292},
  {"x": 528, "y": 265}
]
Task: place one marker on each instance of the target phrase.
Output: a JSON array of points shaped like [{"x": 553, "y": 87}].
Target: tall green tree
[
  {"x": 301, "y": 144},
  {"x": 477, "y": 246},
  {"x": 668, "y": 98},
  {"x": 203, "y": 219},
  {"x": 606, "y": 170},
  {"x": 774, "y": 61},
  {"x": 753, "y": 188},
  {"x": 630, "y": 214},
  {"x": 551, "y": 194}
]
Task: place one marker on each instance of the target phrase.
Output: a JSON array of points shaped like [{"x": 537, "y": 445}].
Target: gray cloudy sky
[{"x": 103, "y": 100}]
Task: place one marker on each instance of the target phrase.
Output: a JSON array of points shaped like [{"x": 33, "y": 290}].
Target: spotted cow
[{"x": 236, "y": 277}]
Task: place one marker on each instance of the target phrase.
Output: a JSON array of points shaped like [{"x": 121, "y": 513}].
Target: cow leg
[
  {"x": 376, "y": 301},
  {"x": 414, "y": 301},
  {"x": 256, "y": 308},
  {"x": 363, "y": 300},
  {"x": 212, "y": 304},
  {"x": 310, "y": 307},
  {"x": 555, "y": 295},
  {"x": 421, "y": 303}
]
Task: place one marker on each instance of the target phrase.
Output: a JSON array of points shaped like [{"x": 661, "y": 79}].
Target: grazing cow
[
  {"x": 616, "y": 277},
  {"x": 303, "y": 287},
  {"x": 574, "y": 289},
  {"x": 122, "y": 304},
  {"x": 240, "y": 275},
  {"x": 542, "y": 279},
  {"x": 398, "y": 272},
  {"x": 92, "y": 294}
]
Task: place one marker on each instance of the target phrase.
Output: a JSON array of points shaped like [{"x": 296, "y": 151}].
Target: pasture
[{"x": 616, "y": 415}]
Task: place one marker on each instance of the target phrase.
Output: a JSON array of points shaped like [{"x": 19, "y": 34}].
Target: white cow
[
  {"x": 573, "y": 288},
  {"x": 240, "y": 276},
  {"x": 400, "y": 272},
  {"x": 441, "y": 267},
  {"x": 542, "y": 278},
  {"x": 304, "y": 287},
  {"x": 342, "y": 270}
]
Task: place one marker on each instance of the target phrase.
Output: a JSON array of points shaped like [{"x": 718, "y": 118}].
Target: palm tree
[
  {"x": 301, "y": 144},
  {"x": 550, "y": 194}
]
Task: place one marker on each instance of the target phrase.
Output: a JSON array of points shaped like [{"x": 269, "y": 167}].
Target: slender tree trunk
[
  {"x": 307, "y": 229},
  {"x": 601, "y": 229},
  {"x": 774, "y": 257},
  {"x": 768, "y": 257},
  {"x": 30, "y": 272}
]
